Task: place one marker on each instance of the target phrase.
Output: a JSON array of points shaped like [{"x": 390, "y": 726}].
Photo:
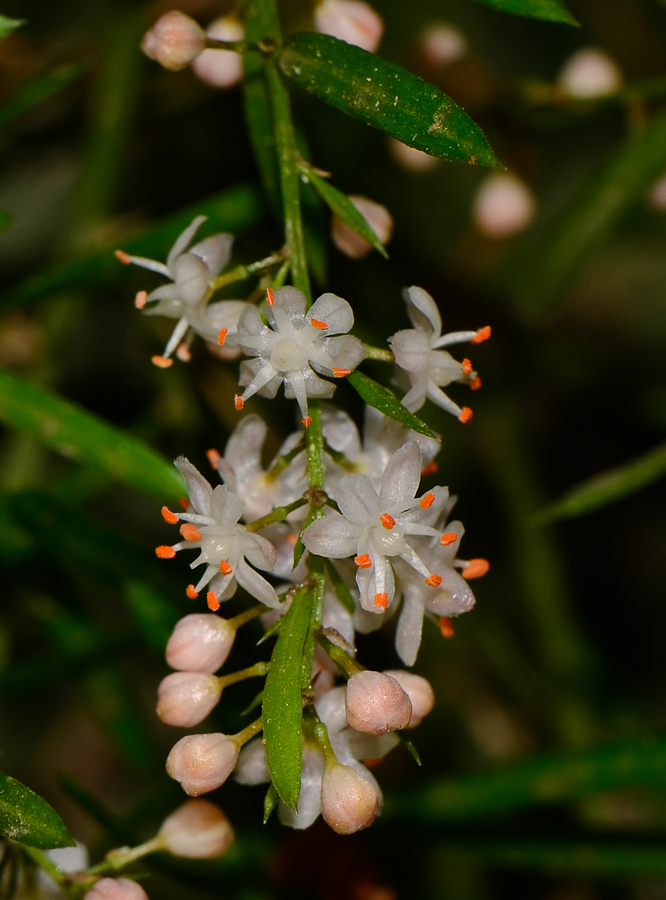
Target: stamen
[
  {"x": 184, "y": 502},
  {"x": 446, "y": 627},
  {"x": 183, "y": 353},
  {"x": 239, "y": 403},
  {"x": 212, "y": 601},
  {"x": 340, "y": 373},
  {"x": 270, "y": 297},
  {"x": 190, "y": 532},
  {"x": 465, "y": 415},
  {"x": 429, "y": 469},
  {"x": 225, "y": 568},
  {"x": 165, "y": 552},
  {"x": 306, "y": 421},
  {"x": 467, "y": 366},
  {"x": 140, "y": 299},
  {"x": 381, "y": 601},
  {"x": 363, "y": 562},
  {"x": 191, "y": 593},
  {"x": 222, "y": 336},
  {"x": 475, "y": 568},
  {"x": 475, "y": 383},
  {"x": 427, "y": 501},
  {"x": 387, "y": 521},
  {"x": 433, "y": 580},
  {"x": 213, "y": 457},
  {"x": 162, "y": 362},
  {"x": 317, "y": 324},
  {"x": 124, "y": 258},
  {"x": 482, "y": 335},
  {"x": 449, "y": 537},
  {"x": 371, "y": 763},
  {"x": 168, "y": 516},
  {"x": 291, "y": 539}
]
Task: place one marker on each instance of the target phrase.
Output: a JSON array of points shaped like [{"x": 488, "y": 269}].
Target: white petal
[
  {"x": 150, "y": 264},
  {"x": 346, "y": 351},
  {"x": 443, "y": 368},
  {"x": 259, "y": 550},
  {"x": 214, "y": 251},
  {"x": 314, "y": 385},
  {"x": 402, "y": 475},
  {"x": 226, "y": 507},
  {"x": 331, "y": 536},
  {"x": 209, "y": 320},
  {"x": 422, "y": 310},
  {"x": 191, "y": 276},
  {"x": 291, "y": 300},
  {"x": 333, "y": 310},
  {"x": 309, "y": 800},
  {"x": 358, "y": 500},
  {"x": 256, "y": 585},
  {"x": 411, "y": 349},
  {"x": 440, "y": 398},
  {"x": 453, "y": 596},
  {"x": 243, "y": 450},
  {"x": 183, "y": 240},
  {"x": 330, "y": 708},
  {"x": 199, "y": 490},
  {"x": 410, "y": 625},
  {"x": 251, "y": 767},
  {"x": 416, "y": 397},
  {"x": 259, "y": 376}
]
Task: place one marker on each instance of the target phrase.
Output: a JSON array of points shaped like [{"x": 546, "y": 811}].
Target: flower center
[
  {"x": 215, "y": 547},
  {"x": 289, "y": 353},
  {"x": 388, "y": 542}
]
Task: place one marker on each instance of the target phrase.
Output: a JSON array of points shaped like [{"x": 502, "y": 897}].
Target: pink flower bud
[
  {"x": 200, "y": 643},
  {"x": 221, "y": 68},
  {"x": 349, "y": 802},
  {"x": 174, "y": 41},
  {"x": 410, "y": 159},
  {"x": 202, "y": 762},
  {"x": 376, "y": 703},
  {"x": 116, "y": 889},
  {"x": 377, "y": 217},
  {"x": 418, "y": 690},
  {"x": 351, "y": 21},
  {"x": 441, "y": 44},
  {"x": 185, "y": 698},
  {"x": 197, "y": 829},
  {"x": 503, "y": 205},
  {"x": 589, "y": 73}
]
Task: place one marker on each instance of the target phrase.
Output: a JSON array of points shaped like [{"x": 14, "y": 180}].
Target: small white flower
[
  {"x": 296, "y": 347},
  {"x": 212, "y": 528},
  {"x": 352, "y": 21},
  {"x": 419, "y": 352},
  {"x": 187, "y": 298}
]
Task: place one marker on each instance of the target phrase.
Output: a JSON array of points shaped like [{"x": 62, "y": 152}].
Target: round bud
[
  {"x": 351, "y": 21},
  {"x": 418, "y": 690},
  {"x": 503, "y": 205},
  {"x": 185, "y": 698},
  {"x": 349, "y": 801},
  {"x": 376, "y": 703},
  {"x": 200, "y": 642},
  {"x": 589, "y": 73},
  {"x": 174, "y": 41},
  {"x": 377, "y": 217},
  {"x": 198, "y": 829},
  {"x": 116, "y": 889},
  {"x": 221, "y": 68},
  {"x": 441, "y": 44},
  {"x": 202, "y": 762}
]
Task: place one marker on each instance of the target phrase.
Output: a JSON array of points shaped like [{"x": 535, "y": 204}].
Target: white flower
[
  {"x": 352, "y": 21},
  {"x": 419, "y": 352},
  {"x": 296, "y": 346},
  {"x": 375, "y": 528},
  {"x": 187, "y": 298},
  {"x": 223, "y": 544}
]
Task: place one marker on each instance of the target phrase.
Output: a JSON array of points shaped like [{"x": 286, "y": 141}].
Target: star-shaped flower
[
  {"x": 187, "y": 298},
  {"x": 296, "y": 347},
  {"x": 419, "y": 352}
]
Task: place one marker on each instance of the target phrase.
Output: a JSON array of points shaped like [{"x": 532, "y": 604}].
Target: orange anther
[
  {"x": 225, "y": 568},
  {"x": 124, "y": 258},
  {"x": 429, "y": 469},
  {"x": 239, "y": 403},
  {"x": 340, "y": 373},
  {"x": 475, "y": 383},
  {"x": 190, "y": 532},
  {"x": 184, "y": 502},
  {"x": 467, "y": 366},
  {"x": 381, "y": 601},
  {"x": 168, "y": 516},
  {"x": 165, "y": 552},
  {"x": 222, "y": 336},
  {"x": 387, "y": 521},
  {"x": 191, "y": 593},
  {"x": 363, "y": 562},
  {"x": 317, "y": 324},
  {"x": 306, "y": 421},
  {"x": 427, "y": 501},
  {"x": 162, "y": 362},
  {"x": 183, "y": 353},
  {"x": 291, "y": 539},
  {"x": 212, "y": 601},
  {"x": 446, "y": 627},
  {"x": 449, "y": 537},
  {"x": 465, "y": 415},
  {"x": 475, "y": 568},
  {"x": 433, "y": 580},
  {"x": 482, "y": 335},
  {"x": 213, "y": 457},
  {"x": 270, "y": 297},
  {"x": 140, "y": 299},
  {"x": 371, "y": 763}
]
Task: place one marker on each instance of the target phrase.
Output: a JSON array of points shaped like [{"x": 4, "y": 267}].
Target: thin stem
[
  {"x": 314, "y": 444},
  {"x": 378, "y": 353},
  {"x": 339, "y": 458},
  {"x": 242, "y": 737},
  {"x": 240, "y": 273},
  {"x": 258, "y": 669},
  {"x": 252, "y": 613},
  {"x": 347, "y": 665},
  {"x": 119, "y": 859},
  {"x": 40, "y": 858},
  {"x": 283, "y": 461},
  {"x": 278, "y": 515}
]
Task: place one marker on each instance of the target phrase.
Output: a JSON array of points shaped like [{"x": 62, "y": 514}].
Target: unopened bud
[
  {"x": 410, "y": 159},
  {"x": 589, "y": 73},
  {"x": 349, "y": 801},
  {"x": 198, "y": 829},
  {"x": 221, "y": 68},
  {"x": 376, "y": 703},
  {"x": 174, "y": 41},
  {"x": 200, "y": 642},
  {"x": 418, "y": 690},
  {"x": 116, "y": 889},
  {"x": 441, "y": 44},
  {"x": 202, "y": 762},
  {"x": 377, "y": 217},
  {"x": 503, "y": 205},
  {"x": 185, "y": 698},
  {"x": 351, "y": 21}
]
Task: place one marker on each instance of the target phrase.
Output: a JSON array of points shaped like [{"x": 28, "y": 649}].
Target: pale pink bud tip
[
  {"x": 349, "y": 802},
  {"x": 197, "y": 829},
  {"x": 419, "y": 692},
  {"x": 351, "y": 21},
  {"x": 221, "y": 68},
  {"x": 202, "y": 762},
  {"x": 116, "y": 889},
  {"x": 377, "y": 217},
  {"x": 185, "y": 698},
  {"x": 200, "y": 642},
  {"x": 174, "y": 41},
  {"x": 376, "y": 703},
  {"x": 442, "y": 44},
  {"x": 589, "y": 73},
  {"x": 503, "y": 205}
]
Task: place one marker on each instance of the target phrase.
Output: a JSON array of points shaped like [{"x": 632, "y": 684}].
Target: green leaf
[
  {"x": 282, "y": 706},
  {"x": 154, "y": 615},
  {"x": 77, "y": 434},
  {"x": 271, "y": 800},
  {"x": 342, "y": 592},
  {"x": 26, "y": 817},
  {"x": 607, "y": 487},
  {"x": 6, "y": 220},
  {"x": 7, "y": 25},
  {"x": 385, "y": 401},
  {"x": 342, "y": 206},
  {"x": 385, "y": 96},
  {"x": 410, "y": 748},
  {"x": 550, "y": 10},
  {"x": 40, "y": 88}
]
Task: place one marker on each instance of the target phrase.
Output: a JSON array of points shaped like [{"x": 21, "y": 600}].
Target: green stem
[
  {"x": 347, "y": 664},
  {"x": 314, "y": 445},
  {"x": 41, "y": 859},
  {"x": 258, "y": 669},
  {"x": 378, "y": 353},
  {"x": 252, "y": 613},
  {"x": 240, "y": 273},
  {"x": 283, "y": 461},
  {"x": 119, "y": 859},
  {"x": 242, "y": 737},
  {"x": 277, "y": 515}
]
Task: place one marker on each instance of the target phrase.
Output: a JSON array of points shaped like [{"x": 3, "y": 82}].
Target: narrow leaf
[
  {"x": 342, "y": 592},
  {"x": 68, "y": 429},
  {"x": 385, "y": 96},
  {"x": 40, "y": 88},
  {"x": 271, "y": 800},
  {"x": 608, "y": 487},
  {"x": 410, "y": 748},
  {"x": 385, "y": 401},
  {"x": 7, "y": 25},
  {"x": 550, "y": 10},
  {"x": 26, "y": 817},
  {"x": 282, "y": 706},
  {"x": 153, "y": 613}
]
